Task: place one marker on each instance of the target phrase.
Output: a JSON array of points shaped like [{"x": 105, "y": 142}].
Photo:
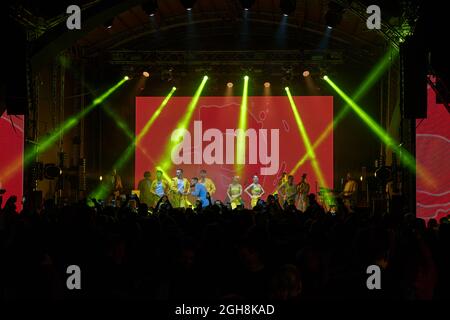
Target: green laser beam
[
  {"x": 242, "y": 126},
  {"x": 69, "y": 123},
  {"x": 310, "y": 150},
  {"x": 104, "y": 189},
  {"x": 365, "y": 86},
  {"x": 165, "y": 163},
  {"x": 405, "y": 156}
]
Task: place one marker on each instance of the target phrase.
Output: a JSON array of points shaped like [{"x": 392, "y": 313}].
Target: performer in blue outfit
[{"x": 200, "y": 192}]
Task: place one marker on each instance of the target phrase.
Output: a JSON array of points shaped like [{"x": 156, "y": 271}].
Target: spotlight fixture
[
  {"x": 167, "y": 74},
  {"x": 150, "y": 7},
  {"x": 126, "y": 78},
  {"x": 246, "y": 78},
  {"x": 267, "y": 84},
  {"x": 109, "y": 23},
  {"x": 146, "y": 74},
  {"x": 334, "y": 14},
  {"x": 288, "y": 7},
  {"x": 188, "y": 4},
  {"x": 305, "y": 73},
  {"x": 247, "y": 4},
  {"x": 51, "y": 171},
  {"x": 230, "y": 84}
]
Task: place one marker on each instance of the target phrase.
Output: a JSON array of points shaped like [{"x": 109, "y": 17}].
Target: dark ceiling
[{"x": 211, "y": 25}]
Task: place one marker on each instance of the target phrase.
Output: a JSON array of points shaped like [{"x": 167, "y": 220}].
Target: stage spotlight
[
  {"x": 188, "y": 4},
  {"x": 126, "y": 78},
  {"x": 330, "y": 27},
  {"x": 306, "y": 73},
  {"x": 150, "y": 7},
  {"x": 247, "y": 4},
  {"x": 246, "y": 78},
  {"x": 100, "y": 178},
  {"x": 267, "y": 84},
  {"x": 287, "y": 7},
  {"x": 146, "y": 74},
  {"x": 205, "y": 77},
  {"x": 109, "y": 23},
  {"x": 334, "y": 14},
  {"x": 325, "y": 77},
  {"x": 230, "y": 84}
]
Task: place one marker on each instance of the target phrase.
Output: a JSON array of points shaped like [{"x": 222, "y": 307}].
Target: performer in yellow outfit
[
  {"x": 207, "y": 182},
  {"x": 234, "y": 193},
  {"x": 180, "y": 189},
  {"x": 159, "y": 188},
  {"x": 289, "y": 191},
  {"x": 256, "y": 191},
  {"x": 303, "y": 191},
  {"x": 281, "y": 182},
  {"x": 144, "y": 187}
]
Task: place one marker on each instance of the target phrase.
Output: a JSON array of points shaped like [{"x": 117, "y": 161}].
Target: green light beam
[
  {"x": 165, "y": 162},
  {"x": 242, "y": 126},
  {"x": 404, "y": 155},
  {"x": 31, "y": 152},
  {"x": 104, "y": 189},
  {"x": 306, "y": 141},
  {"x": 365, "y": 86}
]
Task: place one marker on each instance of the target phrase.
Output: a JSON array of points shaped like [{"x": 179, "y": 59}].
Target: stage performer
[
  {"x": 281, "y": 182},
  {"x": 200, "y": 192},
  {"x": 349, "y": 193},
  {"x": 303, "y": 191},
  {"x": 207, "y": 182},
  {"x": 180, "y": 190},
  {"x": 159, "y": 188},
  {"x": 144, "y": 186},
  {"x": 256, "y": 191},
  {"x": 117, "y": 187},
  {"x": 234, "y": 193},
  {"x": 289, "y": 192}
]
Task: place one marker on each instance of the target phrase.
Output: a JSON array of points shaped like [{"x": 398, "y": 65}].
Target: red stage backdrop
[
  {"x": 11, "y": 146},
  {"x": 276, "y": 142},
  {"x": 433, "y": 152}
]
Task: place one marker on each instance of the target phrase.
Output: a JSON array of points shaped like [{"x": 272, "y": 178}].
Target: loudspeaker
[
  {"x": 413, "y": 55},
  {"x": 15, "y": 69}
]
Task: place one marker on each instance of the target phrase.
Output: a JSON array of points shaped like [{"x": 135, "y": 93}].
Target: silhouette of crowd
[{"x": 214, "y": 253}]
